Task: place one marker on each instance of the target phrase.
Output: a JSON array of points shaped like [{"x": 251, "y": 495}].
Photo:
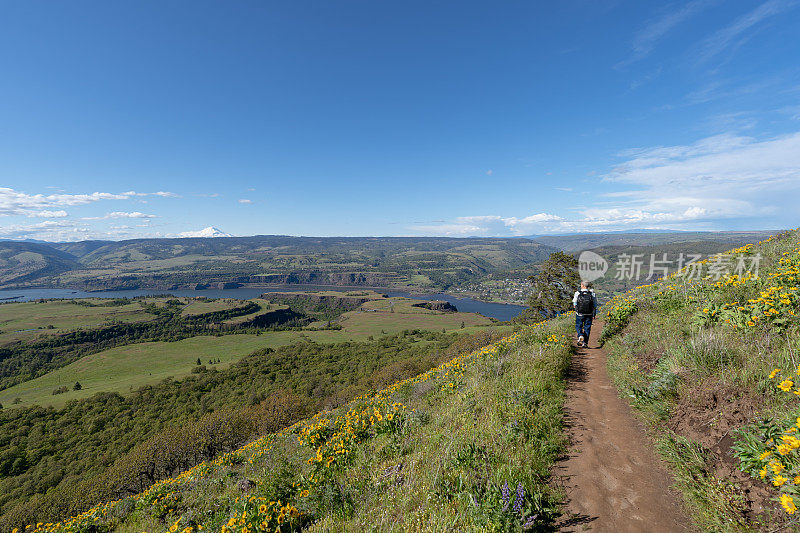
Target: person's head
[{"x": 585, "y": 285}]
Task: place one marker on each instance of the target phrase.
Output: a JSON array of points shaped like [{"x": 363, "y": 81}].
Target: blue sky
[{"x": 122, "y": 120}]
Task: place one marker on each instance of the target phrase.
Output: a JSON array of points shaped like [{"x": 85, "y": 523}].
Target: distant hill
[
  {"x": 587, "y": 241},
  {"x": 24, "y": 261},
  {"x": 419, "y": 262},
  {"x": 79, "y": 249}
]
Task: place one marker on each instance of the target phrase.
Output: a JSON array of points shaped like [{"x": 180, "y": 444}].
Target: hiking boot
[{"x": 580, "y": 341}]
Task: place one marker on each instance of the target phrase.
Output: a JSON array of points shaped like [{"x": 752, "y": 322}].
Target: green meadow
[
  {"x": 127, "y": 368},
  {"x": 26, "y": 320},
  {"x": 123, "y": 369}
]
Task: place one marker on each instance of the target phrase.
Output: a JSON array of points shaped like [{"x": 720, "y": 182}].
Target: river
[{"x": 467, "y": 305}]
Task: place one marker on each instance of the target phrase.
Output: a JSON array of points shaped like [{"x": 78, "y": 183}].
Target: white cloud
[
  {"x": 122, "y": 214},
  {"x": 733, "y": 34},
  {"x": 163, "y": 194},
  {"x": 48, "y": 214},
  {"x": 593, "y": 220},
  {"x": 488, "y": 225},
  {"x": 13, "y": 202},
  {"x": 51, "y": 230},
  {"x": 717, "y": 171},
  {"x": 648, "y": 37},
  {"x": 792, "y": 111},
  {"x": 489, "y": 172},
  {"x": 131, "y": 214},
  {"x": 245, "y": 201},
  {"x": 719, "y": 178}
]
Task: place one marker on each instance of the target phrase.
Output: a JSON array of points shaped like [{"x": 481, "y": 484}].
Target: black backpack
[{"x": 585, "y": 303}]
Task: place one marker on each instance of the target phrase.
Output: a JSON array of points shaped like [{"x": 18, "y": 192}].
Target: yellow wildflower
[{"x": 788, "y": 503}]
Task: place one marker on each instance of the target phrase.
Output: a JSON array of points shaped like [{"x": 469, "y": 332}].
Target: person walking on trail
[{"x": 585, "y": 303}]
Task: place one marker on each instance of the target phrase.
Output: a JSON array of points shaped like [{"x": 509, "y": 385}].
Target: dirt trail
[{"x": 613, "y": 479}]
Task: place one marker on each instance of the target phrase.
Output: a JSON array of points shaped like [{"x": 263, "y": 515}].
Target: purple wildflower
[
  {"x": 506, "y": 495},
  {"x": 530, "y": 521},
  {"x": 520, "y": 497}
]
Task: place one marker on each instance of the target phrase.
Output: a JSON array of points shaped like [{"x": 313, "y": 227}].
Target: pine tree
[{"x": 554, "y": 285}]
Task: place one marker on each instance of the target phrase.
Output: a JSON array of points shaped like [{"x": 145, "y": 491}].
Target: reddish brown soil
[
  {"x": 648, "y": 361},
  {"x": 613, "y": 480},
  {"x": 708, "y": 414}
]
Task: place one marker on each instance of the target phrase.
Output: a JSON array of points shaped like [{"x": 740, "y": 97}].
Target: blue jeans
[{"x": 583, "y": 325}]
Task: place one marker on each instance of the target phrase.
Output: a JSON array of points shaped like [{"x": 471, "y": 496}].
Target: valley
[
  {"x": 334, "y": 317},
  {"x": 103, "y": 395}
]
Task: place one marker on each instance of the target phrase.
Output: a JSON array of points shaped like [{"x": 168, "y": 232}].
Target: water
[{"x": 468, "y": 305}]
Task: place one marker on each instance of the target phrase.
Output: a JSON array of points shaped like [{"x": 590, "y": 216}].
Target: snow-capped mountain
[{"x": 210, "y": 231}]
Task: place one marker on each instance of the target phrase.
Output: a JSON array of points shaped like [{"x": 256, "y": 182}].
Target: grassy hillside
[
  {"x": 21, "y": 262},
  {"x": 55, "y": 461},
  {"x": 411, "y": 456},
  {"x": 169, "y": 263},
  {"x": 127, "y": 368},
  {"x": 711, "y": 366},
  {"x": 616, "y": 282}
]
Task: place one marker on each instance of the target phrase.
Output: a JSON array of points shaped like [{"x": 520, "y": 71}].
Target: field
[
  {"x": 26, "y": 320},
  {"x": 129, "y": 367},
  {"x": 398, "y": 314},
  {"x": 123, "y": 369},
  {"x": 200, "y": 306}
]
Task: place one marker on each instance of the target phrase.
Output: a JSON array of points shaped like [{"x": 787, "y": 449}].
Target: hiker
[{"x": 585, "y": 303}]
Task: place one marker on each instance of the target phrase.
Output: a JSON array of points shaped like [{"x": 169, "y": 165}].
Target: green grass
[
  {"x": 266, "y": 307},
  {"x": 441, "y": 465},
  {"x": 199, "y": 307},
  {"x": 129, "y": 367},
  {"x": 394, "y": 315},
  {"x": 453, "y": 468},
  {"x": 62, "y": 315}
]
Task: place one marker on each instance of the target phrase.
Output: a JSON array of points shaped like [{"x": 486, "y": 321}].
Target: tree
[
  {"x": 77, "y": 386},
  {"x": 554, "y": 285}
]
